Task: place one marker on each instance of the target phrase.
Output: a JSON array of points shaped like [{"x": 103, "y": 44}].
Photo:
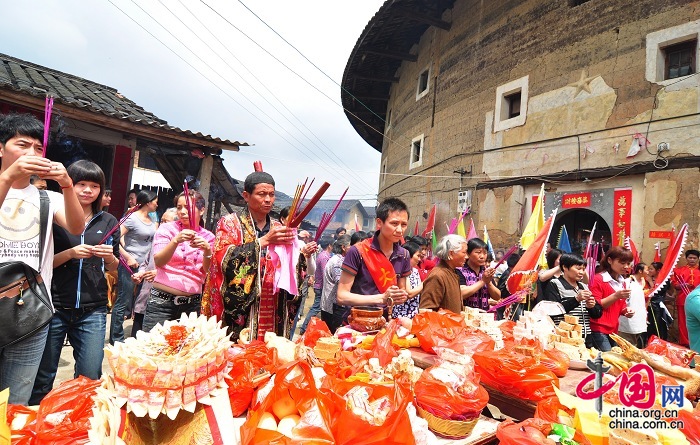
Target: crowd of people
[{"x": 154, "y": 269}]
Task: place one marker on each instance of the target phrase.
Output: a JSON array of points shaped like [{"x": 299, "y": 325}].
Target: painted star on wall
[{"x": 582, "y": 84}]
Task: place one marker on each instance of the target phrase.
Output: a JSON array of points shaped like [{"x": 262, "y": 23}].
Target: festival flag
[
  {"x": 563, "y": 243},
  {"x": 434, "y": 243},
  {"x": 532, "y": 258},
  {"x": 657, "y": 252},
  {"x": 431, "y": 222},
  {"x": 675, "y": 249},
  {"x": 535, "y": 224},
  {"x": 589, "y": 245},
  {"x": 416, "y": 230},
  {"x": 357, "y": 225},
  {"x": 460, "y": 229},
  {"x": 629, "y": 244},
  {"x": 472, "y": 230},
  {"x": 452, "y": 227},
  {"x": 487, "y": 240}
]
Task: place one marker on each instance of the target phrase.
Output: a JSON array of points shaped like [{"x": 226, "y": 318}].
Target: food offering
[
  {"x": 568, "y": 338},
  {"x": 170, "y": 368},
  {"x": 486, "y": 323},
  {"x": 450, "y": 397}
]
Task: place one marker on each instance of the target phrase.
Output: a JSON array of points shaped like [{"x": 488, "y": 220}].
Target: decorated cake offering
[{"x": 170, "y": 368}]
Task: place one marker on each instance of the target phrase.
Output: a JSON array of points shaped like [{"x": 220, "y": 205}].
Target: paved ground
[{"x": 66, "y": 363}]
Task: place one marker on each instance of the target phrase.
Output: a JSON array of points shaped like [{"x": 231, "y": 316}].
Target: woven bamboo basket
[{"x": 450, "y": 429}]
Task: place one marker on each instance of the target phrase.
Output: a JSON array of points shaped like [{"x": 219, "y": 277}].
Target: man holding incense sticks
[
  {"x": 239, "y": 288},
  {"x": 375, "y": 270}
]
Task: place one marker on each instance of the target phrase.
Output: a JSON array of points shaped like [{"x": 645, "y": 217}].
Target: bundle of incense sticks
[
  {"x": 514, "y": 298},
  {"x": 125, "y": 264},
  {"x": 327, "y": 217},
  {"x": 48, "y": 108},
  {"x": 190, "y": 203},
  {"x": 295, "y": 220},
  {"x": 684, "y": 286},
  {"x": 121, "y": 221},
  {"x": 299, "y": 197},
  {"x": 505, "y": 257}
]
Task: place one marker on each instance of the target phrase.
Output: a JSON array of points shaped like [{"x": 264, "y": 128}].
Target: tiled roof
[{"x": 73, "y": 91}]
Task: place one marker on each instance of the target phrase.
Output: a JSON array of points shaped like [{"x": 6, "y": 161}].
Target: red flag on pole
[
  {"x": 431, "y": 222},
  {"x": 416, "y": 230},
  {"x": 657, "y": 252}
]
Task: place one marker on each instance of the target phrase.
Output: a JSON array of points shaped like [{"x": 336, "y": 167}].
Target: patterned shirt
[
  {"x": 410, "y": 307},
  {"x": 480, "y": 298}
]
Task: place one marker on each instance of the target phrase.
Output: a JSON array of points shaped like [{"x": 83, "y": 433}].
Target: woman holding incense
[
  {"x": 145, "y": 277},
  {"x": 612, "y": 291},
  {"x": 182, "y": 252},
  {"x": 479, "y": 287},
  {"x": 569, "y": 290},
  {"x": 136, "y": 238},
  {"x": 79, "y": 286}
]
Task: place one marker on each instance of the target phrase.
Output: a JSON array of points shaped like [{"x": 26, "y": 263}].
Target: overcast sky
[{"x": 234, "y": 89}]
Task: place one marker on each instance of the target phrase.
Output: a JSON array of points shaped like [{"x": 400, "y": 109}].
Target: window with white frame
[
  {"x": 388, "y": 119},
  {"x": 416, "y": 159},
  {"x": 511, "y": 104},
  {"x": 423, "y": 83},
  {"x": 672, "y": 53}
]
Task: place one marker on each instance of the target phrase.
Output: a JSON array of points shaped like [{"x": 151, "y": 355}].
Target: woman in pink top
[
  {"x": 611, "y": 289},
  {"x": 182, "y": 256}
]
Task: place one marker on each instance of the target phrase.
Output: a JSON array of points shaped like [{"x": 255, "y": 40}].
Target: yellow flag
[
  {"x": 534, "y": 225},
  {"x": 460, "y": 229}
]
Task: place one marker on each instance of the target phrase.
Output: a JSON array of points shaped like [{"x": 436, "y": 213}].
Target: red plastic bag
[
  {"x": 691, "y": 426},
  {"x": 295, "y": 380},
  {"x": 677, "y": 354},
  {"x": 24, "y": 435},
  {"x": 316, "y": 329},
  {"x": 445, "y": 402},
  {"x": 515, "y": 374},
  {"x": 350, "y": 429},
  {"x": 447, "y": 329},
  {"x": 530, "y": 432},
  {"x": 548, "y": 410},
  {"x": 556, "y": 361},
  {"x": 245, "y": 376},
  {"x": 382, "y": 347},
  {"x": 64, "y": 414}
]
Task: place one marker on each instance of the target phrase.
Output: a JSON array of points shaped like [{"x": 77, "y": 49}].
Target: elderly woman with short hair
[{"x": 441, "y": 288}]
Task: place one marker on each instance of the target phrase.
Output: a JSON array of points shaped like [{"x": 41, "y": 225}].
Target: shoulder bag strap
[{"x": 43, "y": 223}]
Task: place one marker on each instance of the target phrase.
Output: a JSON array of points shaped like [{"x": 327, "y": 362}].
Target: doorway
[{"x": 579, "y": 223}]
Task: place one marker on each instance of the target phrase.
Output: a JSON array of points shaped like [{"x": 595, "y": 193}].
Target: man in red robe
[{"x": 684, "y": 280}]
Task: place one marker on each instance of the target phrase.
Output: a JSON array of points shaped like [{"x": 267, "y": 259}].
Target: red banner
[
  {"x": 622, "y": 216},
  {"x": 665, "y": 234},
  {"x": 535, "y": 198},
  {"x": 573, "y": 200}
]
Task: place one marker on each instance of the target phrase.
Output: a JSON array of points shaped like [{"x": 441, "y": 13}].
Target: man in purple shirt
[
  {"x": 321, "y": 259},
  {"x": 357, "y": 286}
]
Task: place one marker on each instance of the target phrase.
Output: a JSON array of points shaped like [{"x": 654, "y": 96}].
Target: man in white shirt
[{"x": 21, "y": 157}]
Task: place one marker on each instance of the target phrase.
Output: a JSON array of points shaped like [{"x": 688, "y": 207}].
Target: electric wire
[
  {"x": 337, "y": 161},
  {"x": 203, "y": 75}
]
